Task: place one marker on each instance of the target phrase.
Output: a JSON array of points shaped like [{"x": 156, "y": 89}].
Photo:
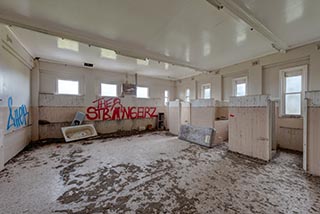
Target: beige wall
[
  {"x": 263, "y": 78},
  {"x": 56, "y": 111},
  {"x": 15, "y": 66}
]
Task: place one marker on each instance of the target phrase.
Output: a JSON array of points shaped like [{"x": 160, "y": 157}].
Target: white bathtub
[{"x": 72, "y": 133}]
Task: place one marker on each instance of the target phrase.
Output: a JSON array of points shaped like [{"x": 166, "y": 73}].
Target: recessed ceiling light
[
  {"x": 110, "y": 54},
  {"x": 142, "y": 62},
  {"x": 68, "y": 44}
]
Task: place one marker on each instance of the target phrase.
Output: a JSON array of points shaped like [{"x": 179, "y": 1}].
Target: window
[
  {"x": 108, "y": 90},
  {"x": 68, "y": 44},
  {"x": 239, "y": 86},
  {"x": 187, "y": 95},
  {"x": 206, "y": 91},
  {"x": 166, "y": 97},
  {"x": 142, "y": 92},
  {"x": 68, "y": 87},
  {"x": 293, "y": 85}
]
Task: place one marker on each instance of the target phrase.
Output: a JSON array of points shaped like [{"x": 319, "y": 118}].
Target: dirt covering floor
[{"x": 153, "y": 173}]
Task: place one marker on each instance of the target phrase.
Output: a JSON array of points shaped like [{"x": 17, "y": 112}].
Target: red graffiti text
[{"x": 112, "y": 109}]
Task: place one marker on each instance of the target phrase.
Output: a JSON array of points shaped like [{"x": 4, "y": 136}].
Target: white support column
[
  {"x": 35, "y": 88},
  {"x": 305, "y": 134}
]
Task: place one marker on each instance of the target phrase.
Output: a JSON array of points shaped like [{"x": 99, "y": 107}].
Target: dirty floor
[{"x": 153, "y": 173}]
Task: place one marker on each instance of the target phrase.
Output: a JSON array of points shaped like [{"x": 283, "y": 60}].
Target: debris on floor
[{"x": 153, "y": 173}]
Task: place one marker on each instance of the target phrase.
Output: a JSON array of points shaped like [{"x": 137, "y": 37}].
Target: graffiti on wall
[
  {"x": 112, "y": 109},
  {"x": 18, "y": 117}
]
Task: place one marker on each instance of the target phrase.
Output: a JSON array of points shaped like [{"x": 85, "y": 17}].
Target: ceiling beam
[
  {"x": 246, "y": 15},
  {"x": 128, "y": 50}
]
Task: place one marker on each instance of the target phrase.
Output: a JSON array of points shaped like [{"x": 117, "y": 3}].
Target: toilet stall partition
[
  {"x": 311, "y": 144},
  {"x": 250, "y": 126},
  {"x": 174, "y": 117}
]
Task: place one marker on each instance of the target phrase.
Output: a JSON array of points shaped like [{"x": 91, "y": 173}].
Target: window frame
[
  {"x": 187, "y": 95},
  {"x": 148, "y": 95},
  {"x": 203, "y": 87},
  {"x": 57, "y": 87},
  {"x": 234, "y": 85},
  {"x": 293, "y": 71},
  {"x": 166, "y": 97},
  {"x": 108, "y": 84}
]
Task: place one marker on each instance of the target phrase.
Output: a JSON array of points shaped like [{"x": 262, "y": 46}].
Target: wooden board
[
  {"x": 221, "y": 127},
  {"x": 249, "y": 132},
  {"x": 174, "y": 117}
]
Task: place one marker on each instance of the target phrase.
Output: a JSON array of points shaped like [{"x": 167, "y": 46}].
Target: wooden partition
[
  {"x": 203, "y": 113},
  {"x": 249, "y": 126},
  {"x": 185, "y": 113},
  {"x": 174, "y": 117},
  {"x": 211, "y": 113},
  {"x": 312, "y": 133}
]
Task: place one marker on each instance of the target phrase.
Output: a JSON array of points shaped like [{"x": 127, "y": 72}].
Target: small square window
[
  {"x": 206, "y": 91},
  {"x": 166, "y": 97},
  {"x": 68, "y": 87},
  {"x": 187, "y": 99},
  {"x": 142, "y": 92},
  {"x": 240, "y": 87},
  {"x": 108, "y": 90}
]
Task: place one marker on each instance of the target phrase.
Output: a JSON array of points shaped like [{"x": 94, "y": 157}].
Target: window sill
[
  {"x": 78, "y": 95},
  {"x": 291, "y": 116}
]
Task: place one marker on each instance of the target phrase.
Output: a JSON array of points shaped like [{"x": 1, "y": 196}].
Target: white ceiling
[
  {"x": 186, "y": 32},
  {"x": 296, "y": 22},
  {"x": 45, "y": 46}
]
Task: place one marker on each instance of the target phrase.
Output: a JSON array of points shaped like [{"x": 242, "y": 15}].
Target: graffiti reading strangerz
[
  {"x": 112, "y": 109},
  {"x": 18, "y": 117}
]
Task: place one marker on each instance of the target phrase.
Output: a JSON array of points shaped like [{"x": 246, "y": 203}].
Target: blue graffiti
[{"x": 18, "y": 117}]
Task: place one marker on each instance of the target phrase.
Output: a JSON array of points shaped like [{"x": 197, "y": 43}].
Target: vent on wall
[{"x": 86, "y": 64}]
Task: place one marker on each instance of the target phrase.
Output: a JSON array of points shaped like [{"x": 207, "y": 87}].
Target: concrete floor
[{"x": 153, "y": 173}]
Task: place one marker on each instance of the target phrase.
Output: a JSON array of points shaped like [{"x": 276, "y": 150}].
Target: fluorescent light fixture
[
  {"x": 106, "y": 53},
  {"x": 166, "y": 66},
  {"x": 68, "y": 44},
  {"x": 142, "y": 62}
]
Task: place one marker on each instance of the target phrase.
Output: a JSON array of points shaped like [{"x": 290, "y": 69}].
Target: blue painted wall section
[{"x": 18, "y": 117}]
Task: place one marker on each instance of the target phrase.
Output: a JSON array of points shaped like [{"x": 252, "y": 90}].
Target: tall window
[
  {"x": 293, "y": 86},
  {"x": 166, "y": 97},
  {"x": 142, "y": 92},
  {"x": 206, "y": 91},
  {"x": 239, "y": 86},
  {"x": 108, "y": 90},
  {"x": 68, "y": 87},
  {"x": 187, "y": 98}
]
